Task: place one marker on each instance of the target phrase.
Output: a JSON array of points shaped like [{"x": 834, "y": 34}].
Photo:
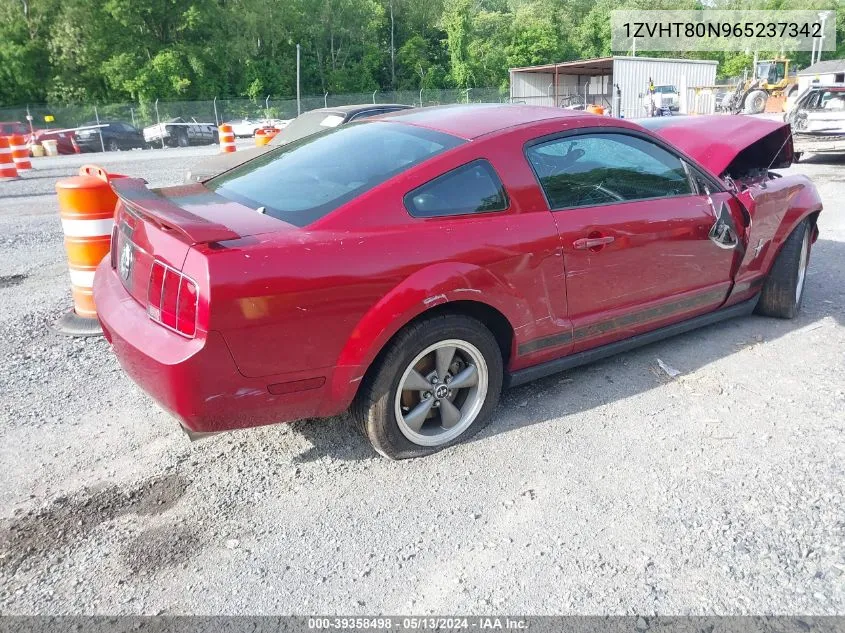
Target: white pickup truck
[{"x": 180, "y": 133}]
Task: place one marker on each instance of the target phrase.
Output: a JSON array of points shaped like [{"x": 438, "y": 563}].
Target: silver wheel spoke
[
  {"x": 444, "y": 356},
  {"x": 450, "y": 415},
  {"x": 466, "y": 378},
  {"x": 416, "y": 416},
  {"x": 416, "y": 382}
]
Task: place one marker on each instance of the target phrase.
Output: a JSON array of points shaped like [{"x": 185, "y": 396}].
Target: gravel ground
[{"x": 611, "y": 489}]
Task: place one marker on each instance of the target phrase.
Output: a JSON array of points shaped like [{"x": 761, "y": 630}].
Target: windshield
[
  {"x": 300, "y": 182},
  {"x": 307, "y": 124},
  {"x": 665, "y": 90},
  {"x": 771, "y": 72}
]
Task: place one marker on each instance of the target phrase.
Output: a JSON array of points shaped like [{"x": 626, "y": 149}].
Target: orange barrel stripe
[
  {"x": 7, "y": 165},
  {"x": 86, "y": 206},
  {"x": 20, "y": 152},
  {"x": 227, "y": 138},
  {"x": 265, "y": 135}
]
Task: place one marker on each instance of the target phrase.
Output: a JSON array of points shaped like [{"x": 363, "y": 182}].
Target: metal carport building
[{"x": 594, "y": 81}]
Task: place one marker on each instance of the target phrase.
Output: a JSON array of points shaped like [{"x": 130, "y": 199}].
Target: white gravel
[{"x": 611, "y": 489}]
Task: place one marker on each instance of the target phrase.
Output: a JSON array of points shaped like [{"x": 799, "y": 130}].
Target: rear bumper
[{"x": 196, "y": 380}]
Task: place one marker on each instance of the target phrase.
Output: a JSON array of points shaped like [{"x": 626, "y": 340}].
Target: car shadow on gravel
[{"x": 338, "y": 438}]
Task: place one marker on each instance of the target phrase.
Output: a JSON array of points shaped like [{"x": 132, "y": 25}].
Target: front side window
[
  {"x": 471, "y": 188},
  {"x": 605, "y": 168},
  {"x": 305, "y": 180}
]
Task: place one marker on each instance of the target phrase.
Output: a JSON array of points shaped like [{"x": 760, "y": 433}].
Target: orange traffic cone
[
  {"x": 265, "y": 135},
  {"x": 20, "y": 152},
  {"x": 8, "y": 171},
  {"x": 86, "y": 206},
  {"x": 227, "y": 138}
]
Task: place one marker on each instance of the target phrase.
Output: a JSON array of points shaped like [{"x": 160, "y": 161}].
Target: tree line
[{"x": 105, "y": 51}]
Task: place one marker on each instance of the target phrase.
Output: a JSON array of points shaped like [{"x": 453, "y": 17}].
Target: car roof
[{"x": 478, "y": 119}]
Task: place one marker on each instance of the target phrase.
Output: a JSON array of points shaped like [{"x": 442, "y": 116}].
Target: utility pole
[
  {"x": 298, "y": 104},
  {"x": 823, "y": 15},
  {"x": 393, "y": 50}
]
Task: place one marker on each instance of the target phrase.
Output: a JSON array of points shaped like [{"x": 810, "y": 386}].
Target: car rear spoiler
[
  {"x": 166, "y": 214},
  {"x": 728, "y": 144}
]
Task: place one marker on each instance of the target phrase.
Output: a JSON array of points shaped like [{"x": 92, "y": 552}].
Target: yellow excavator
[{"x": 766, "y": 90}]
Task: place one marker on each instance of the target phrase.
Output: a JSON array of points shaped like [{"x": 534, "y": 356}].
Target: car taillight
[
  {"x": 172, "y": 299},
  {"x": 113, "y": 247}
]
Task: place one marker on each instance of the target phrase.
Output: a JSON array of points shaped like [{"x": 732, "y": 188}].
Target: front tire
[
  {"x": 436, "y": 384},
  {"x": 783, "y": 291},
  {"x": 755, "y": 102}
]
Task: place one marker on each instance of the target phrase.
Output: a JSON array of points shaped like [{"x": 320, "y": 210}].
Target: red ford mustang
[{"x": 410, "y": 267}]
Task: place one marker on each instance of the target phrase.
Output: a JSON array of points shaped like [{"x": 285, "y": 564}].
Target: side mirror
[{"x": 723, "y": 232}]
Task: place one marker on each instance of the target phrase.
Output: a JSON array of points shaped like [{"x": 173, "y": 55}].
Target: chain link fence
[{"x": 222, "y": 110}]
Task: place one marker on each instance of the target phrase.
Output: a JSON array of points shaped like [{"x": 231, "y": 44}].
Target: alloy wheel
[{"x": 441, "y": 392}]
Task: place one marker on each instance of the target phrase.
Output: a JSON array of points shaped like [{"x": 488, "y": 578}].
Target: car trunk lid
[{"x": 164, "y": 224}]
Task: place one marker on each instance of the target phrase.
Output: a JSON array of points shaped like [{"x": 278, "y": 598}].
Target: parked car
[
  {"x": 116, "y": 135},
  {"x": 412, "y": 266},
  {"x": 818, "y": 120},
  {"x": 180, "y": 133},
  {"x": 304, "y": 125},
  {"x": 247, "y": 127},
  {"x": 65, "y": 141}
]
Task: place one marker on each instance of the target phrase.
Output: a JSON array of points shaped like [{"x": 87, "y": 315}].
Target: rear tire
[
  {"x": 755, "y": 102},
  {"x": 403, "y": 421},
  {"x": 182, "y": 140},
  {"x": 783, "y": 291}
]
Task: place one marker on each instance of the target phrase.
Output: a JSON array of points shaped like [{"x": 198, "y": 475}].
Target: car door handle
[{"x": 592, "y": 242}]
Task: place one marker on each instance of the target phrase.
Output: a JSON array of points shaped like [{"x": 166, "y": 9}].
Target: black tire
[
  {"x": 755, "y": 102},
  {"x": 781, "y": 297},
  {"x": 182, "y": 140},
  {"x": 215, "y": 140},
  {"x": 373, "y": 407},
  {"x": 113, "y": 145}
]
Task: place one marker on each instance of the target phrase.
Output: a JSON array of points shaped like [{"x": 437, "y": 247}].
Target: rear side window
[
  {"x": 471, "y": 188},
  {"x": 305, "y": 180}
]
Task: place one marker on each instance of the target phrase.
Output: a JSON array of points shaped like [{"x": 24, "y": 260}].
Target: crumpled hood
[{"x": 732, "y": 144}]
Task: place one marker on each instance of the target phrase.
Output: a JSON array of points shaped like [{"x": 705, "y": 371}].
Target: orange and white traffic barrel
[
  {"x": 227, "y": 138},
  {"x": 264, "y": 135},
  {"x": 86, "y": 207},
  {"x": 20, "y": 152},
  {"x": 8, "y": 171}
]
